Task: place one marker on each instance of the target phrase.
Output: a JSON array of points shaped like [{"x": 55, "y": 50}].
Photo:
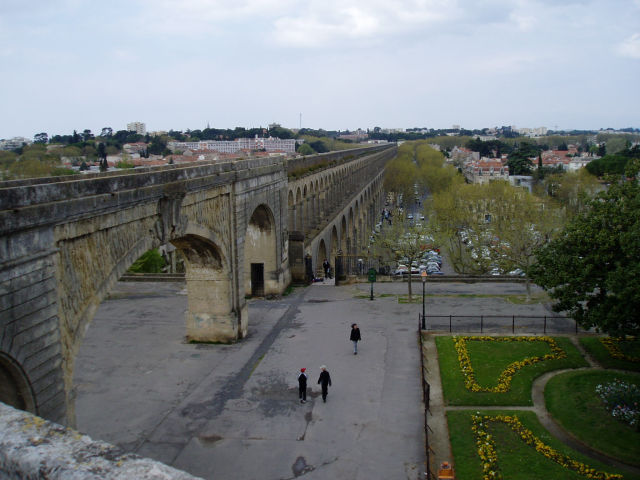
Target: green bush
[
  {"x": 150, "y": 262},
  {"x": 125, "y": 165},
  {"x": 59, "y": 172}
]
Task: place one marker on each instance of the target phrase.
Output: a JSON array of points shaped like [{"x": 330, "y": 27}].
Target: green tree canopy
[
  {"x": 401, "y": 240},
  {"x": 592, "y": 268},
  {"x": 150, "y": 262},
  {"x": 305, "y": 149},
  {"x": 494, "y": 225}
]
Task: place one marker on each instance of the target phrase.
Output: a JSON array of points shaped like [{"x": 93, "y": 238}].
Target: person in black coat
[
  {"x": 327, "y": 268},
  {"x": 324, "y": 381},
  {"x": 355, "y": 337},
  {"x": 302, "y": 385}
]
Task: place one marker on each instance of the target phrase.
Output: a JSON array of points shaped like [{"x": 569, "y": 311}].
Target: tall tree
[
  {"x": 41, "y": 137},
  {"x": 404, "y": 241},
  {"x": 102, "y": 152},
  {"x": 592, "y": 268}
]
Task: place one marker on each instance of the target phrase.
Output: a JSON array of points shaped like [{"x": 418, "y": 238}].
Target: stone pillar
[
  {"x": 210, "y": 315},
  {"x": 339, "y": 273},
  {"x": 308, "y": 268},
  {"x": 293, "y": 220},
  {"x": 297, "y": 257}
]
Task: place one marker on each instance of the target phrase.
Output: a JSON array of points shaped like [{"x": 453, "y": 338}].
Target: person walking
[
  {"x": 327, "y": 268},
  {"x": 355, "y": 337},
  {"x": 302, "y": 386},
  {"x": 324, "y": 381}
]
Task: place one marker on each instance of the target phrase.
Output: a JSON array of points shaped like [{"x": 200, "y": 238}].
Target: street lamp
[{"x": 423, "y": 276}]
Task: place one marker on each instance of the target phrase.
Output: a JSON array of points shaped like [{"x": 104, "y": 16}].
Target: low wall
[{"x": 32, "y": 448}]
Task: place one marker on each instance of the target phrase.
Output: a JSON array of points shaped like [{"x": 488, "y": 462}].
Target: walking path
[{"x": 439, "y": 433}]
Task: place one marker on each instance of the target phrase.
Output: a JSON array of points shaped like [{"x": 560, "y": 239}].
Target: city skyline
[{"x": 71, "y": 64}]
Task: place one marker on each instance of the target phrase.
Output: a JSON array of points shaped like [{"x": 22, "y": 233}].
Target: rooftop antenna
[{"x": 300, "y": 121}]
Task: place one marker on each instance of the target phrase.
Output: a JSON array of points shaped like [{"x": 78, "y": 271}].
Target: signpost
[{"x": 372, "y": 279}]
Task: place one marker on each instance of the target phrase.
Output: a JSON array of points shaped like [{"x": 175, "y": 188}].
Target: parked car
[{"x": 401, "y": 270}]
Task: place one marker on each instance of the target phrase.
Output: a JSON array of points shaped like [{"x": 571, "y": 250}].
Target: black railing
[
  {"x": 498, "y": 324},
  {"x": 426, "y": 395},
  {"x": 360, "y": 265}
]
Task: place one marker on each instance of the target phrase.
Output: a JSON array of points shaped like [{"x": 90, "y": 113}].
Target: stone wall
[{"x": 33, "y": 448}]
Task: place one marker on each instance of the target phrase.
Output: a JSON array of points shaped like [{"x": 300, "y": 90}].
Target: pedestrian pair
[{"x": 324, "y": 380}]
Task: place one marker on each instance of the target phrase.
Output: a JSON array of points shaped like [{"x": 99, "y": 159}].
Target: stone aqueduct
[{"x": 243, "y": 227}]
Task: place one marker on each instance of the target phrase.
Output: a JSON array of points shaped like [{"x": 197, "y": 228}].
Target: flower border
[
  {"x": 489, "y": 457},
  {"x": 612, "y": 344},
  {"x": 504, "y": 381}
]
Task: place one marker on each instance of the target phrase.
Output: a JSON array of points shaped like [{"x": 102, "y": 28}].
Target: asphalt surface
[{"x": 232, "y": 411}]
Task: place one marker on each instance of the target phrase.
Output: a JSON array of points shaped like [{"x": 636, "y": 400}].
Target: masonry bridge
[{"x": 248, "y": 227}]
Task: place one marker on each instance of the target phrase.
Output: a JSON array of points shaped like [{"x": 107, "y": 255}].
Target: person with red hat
[{"x": 302, "y": 386}]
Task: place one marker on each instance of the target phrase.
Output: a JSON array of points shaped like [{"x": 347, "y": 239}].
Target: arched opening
[
  {"x": 291, "y": 212},
  {"x": 343, "y": 236},
  {"x": 351, "y": 234},
  {"x": 320, "y": 256},
  {"x": 15, "y": 389},
  {"x": 260, "y": 277},
  {"x": 335, "y": 245},
  {"x": 299, "y": 215}
]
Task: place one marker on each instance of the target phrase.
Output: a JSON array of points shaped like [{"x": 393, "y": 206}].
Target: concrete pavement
[{"x": 232, "y": 411}]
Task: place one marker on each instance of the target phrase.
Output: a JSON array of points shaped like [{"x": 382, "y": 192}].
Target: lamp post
[{"x": 423, "y": 276}]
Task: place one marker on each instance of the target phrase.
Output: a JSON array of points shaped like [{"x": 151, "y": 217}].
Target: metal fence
[
  {"x": 426, "y": 395},
  {"x": 498, "y": 324},
  {"x": 360, "y": 265}
]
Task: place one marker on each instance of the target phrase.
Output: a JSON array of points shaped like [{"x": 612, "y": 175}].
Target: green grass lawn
[
  {"x": 595, "y": 347},
  {"x": 489, "y": 359},
  {"x": 516, "y": 459},
  {"x": 572, "y": 400}
]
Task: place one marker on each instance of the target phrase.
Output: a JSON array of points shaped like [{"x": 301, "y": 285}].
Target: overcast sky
[{"x": 332, "y": 64}]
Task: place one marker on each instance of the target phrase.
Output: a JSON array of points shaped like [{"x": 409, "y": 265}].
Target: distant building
[
  {"x": 532, "y": 132},
  {"x": 524, "y": 181},
  {"x": 133, "y": 148},
  {"x": 138, "y": 127},
  {"x": 233, "y": 146},
  {"x": 486, "y": 170},
  {"x": 461, "y": 155},
  {"x": 356, "y": 136},
  {"x": 14, "y": 143}
]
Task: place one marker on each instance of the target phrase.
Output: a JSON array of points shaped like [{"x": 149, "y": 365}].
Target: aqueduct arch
[
  {"x": 15, "y": 389},
  {"x": 260, "y": 262}
]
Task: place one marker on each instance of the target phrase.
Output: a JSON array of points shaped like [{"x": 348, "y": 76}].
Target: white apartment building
[
  {"x": 233, "y": 146},
  {"x": 532, "y": 132},
  {"x": 139, "y": 127},
  {"x": 15, "y": 142}
]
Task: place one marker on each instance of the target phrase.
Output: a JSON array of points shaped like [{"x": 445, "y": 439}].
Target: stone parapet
[{"x": 33, "y": 448}]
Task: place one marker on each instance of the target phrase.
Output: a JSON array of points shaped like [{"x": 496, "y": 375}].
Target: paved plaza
[{"x": 232, "y": 411}]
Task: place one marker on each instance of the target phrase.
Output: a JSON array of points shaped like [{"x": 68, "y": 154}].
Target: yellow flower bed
[
  {"x": 504, "y": 381},
  {"x": 613, "y": 347},
  {"x": 489, "y": 457}
]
